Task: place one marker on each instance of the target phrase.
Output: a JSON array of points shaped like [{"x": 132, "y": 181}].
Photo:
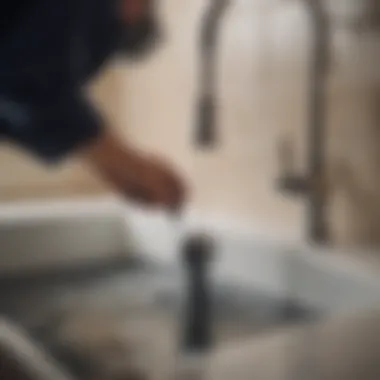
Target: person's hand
[
  {"x": 145, "y": 180},
  {"x": 150, "y": 181}
]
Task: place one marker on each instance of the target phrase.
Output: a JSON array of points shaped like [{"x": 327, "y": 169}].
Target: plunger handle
[{"x": 197, "y": 254}]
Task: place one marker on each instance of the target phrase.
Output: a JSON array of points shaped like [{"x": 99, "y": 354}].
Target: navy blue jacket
[{"x": 45, "y": 60}]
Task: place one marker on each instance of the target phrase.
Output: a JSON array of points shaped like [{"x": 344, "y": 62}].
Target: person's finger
[{"x": 141, "y": 196}]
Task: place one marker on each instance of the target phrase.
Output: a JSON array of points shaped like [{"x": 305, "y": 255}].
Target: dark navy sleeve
[{"x": 54, "y": 128}]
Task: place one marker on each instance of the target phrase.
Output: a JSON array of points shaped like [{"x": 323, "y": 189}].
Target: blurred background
[
  {"x": 263, "y": 91},
  {"x": 65, "y": 217}
]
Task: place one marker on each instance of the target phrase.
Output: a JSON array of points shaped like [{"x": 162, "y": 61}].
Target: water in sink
[{"x": 134, "y": 311}]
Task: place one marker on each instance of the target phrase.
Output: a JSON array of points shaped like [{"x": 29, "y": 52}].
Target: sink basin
[
  {"x": 96, "y": 295},
  {"x": 139, "y": 298}
]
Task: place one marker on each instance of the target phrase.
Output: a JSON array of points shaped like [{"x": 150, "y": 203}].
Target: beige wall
[
  {"x": 263, "y": 71},
  {"x": 263, "y": 88}
]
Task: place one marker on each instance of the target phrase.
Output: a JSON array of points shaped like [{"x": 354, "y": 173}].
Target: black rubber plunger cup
[{"x": 198, "y": 251}]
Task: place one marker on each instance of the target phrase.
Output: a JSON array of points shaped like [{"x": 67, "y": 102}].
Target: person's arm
[
  {"x": 146, "y": 180},
  {"x": 69, "y": 125}
]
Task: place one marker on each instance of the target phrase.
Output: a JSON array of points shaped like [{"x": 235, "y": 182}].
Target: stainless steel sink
[
  {"x": 134, "y": 292},
  {"x": 72, "y": 281}
]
